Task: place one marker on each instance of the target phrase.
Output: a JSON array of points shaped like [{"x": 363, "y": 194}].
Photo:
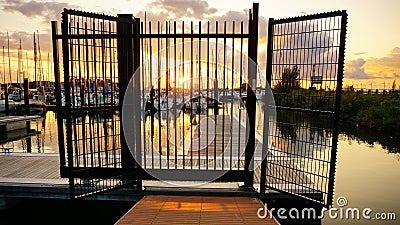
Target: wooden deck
[
  {"x": 165, "y": 209},
  {"x": 31, "y": 175},
  {"x": 32, "y": 166}
]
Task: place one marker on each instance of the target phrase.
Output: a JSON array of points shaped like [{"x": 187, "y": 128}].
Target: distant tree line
[{"x": 380, "y": 112}]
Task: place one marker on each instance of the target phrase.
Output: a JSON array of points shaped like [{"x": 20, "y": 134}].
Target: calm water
[{"x": 367, "y": 174}]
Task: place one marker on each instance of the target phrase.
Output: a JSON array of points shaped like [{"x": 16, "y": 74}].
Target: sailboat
[
  {"x": 16, "y": 93},
  {"x": 10, "y": 102},
  {"x": 37, "y": 99}
]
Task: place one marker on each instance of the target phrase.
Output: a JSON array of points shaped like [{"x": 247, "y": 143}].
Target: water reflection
[
  {"x": 302, "y": 134},
  {"x": 43, "y": 140},
  {"x": 291, "y": 127},
  {"x": 351, "y": 132}
]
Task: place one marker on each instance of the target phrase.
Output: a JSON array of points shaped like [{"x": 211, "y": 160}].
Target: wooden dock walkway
[
  {"x": 166, "y": 209},
  {"x": 32, "y": 175},
  {"x": 10, "y": 123}
]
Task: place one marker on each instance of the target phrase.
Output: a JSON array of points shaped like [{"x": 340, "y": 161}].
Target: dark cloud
[
  {"x": 359, "y": 53},
  {"x": 174, "y": 9},
  {"x": 34, "y": 9},
  {"x": 355, "y": 70}
]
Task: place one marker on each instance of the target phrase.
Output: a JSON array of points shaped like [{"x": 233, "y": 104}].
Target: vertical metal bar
[
  {"x": 332, "y": 167},
  {"x": 266, "y": 118},
  {"x": 151, "y": 100},
  {"x": 136, "y": 88},
  {"x": 200, "y": 96},
  {"x": 159, "y": 93},
  {"x": 231, "y": 97},
  {"x": 56, "y": 65},
  {"x": 88, "y": 80},
  {"x": 65, "y": 50},
  {"x": 125, "y": 66},
  {"x": 72, "y": 79},
  {"x": 224, "y": 99},
  {"x": 216, "y": 74},
  {"x": 240, "y": 92},
  {"x": 183, "y": 94},
  {"x": 27, "y": 112},
  {"x": 91, "y": 139},
  {"x": 81, "y": 88},
  {"x": 112, "y": 83},
  {"x": 175, "y": 105},
  {"x": 96, "y": 100},
  {"x": 167, "y": 84},
  {"x": 191, "y": 96},
  {"x": 251, "y": 101},
  {"x": 208, "y": 88},
  {"x": 142, "y": 74},
  {"x": 103, "y": 65},
  {"x": 216, "y": 91},
  {"x": 99, "y": 136}
]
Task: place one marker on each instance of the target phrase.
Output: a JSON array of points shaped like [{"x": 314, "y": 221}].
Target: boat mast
[
  {"x": 40, "y": 61},
  {"x": 8, "y": 54},
  {"x": 35, "y": 57},
  {"x": 4, "y": 68},
  {"x": 27, "y": 66},
  {"x": 19, "y": 69},
  {"x": 48, "y": 69}
]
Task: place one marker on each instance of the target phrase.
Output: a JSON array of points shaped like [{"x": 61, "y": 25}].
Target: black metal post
[
  {"x": 338, "y": 99},
  {"x": 266, "y": 120},
  {"x": 57, "y": 92},
  {"x": 7, "y": 106},
  {"x": 27, "y": 112},
  {"x": 67, "y": 87},
  {"x": 136, "y": 88},
  {"x": 251, "y": 98},
  {"x": 125, "y": 73}
]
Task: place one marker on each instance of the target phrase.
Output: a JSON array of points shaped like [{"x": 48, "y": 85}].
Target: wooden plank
[
  {"x": 166, "y": 209},
  {"x": 11, "y": 119},
  {"x": 33, "y": 166}
]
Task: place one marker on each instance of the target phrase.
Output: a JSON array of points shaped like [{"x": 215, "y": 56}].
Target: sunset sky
[{"x": 372, "y": 48}]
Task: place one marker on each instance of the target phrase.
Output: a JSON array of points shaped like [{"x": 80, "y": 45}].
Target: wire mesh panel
[
  {"x": 88, "y": 99},
  {"x": 305, "y": 71},
  {"x": 92, "y": 59}
]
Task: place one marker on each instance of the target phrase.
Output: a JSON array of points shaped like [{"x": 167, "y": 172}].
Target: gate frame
[
  {"x": 338, "y": 97},
  {"x": 128, "y": 37}
]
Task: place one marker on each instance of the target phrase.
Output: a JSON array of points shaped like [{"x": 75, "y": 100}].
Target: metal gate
[
  {"x": 96, "y": 50},
  {"x": 201, "y": 69},
  {"x": 192, "y": 92},
  {"x": 305, "y": 71}
]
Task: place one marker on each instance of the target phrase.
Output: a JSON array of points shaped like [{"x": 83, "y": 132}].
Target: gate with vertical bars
[{"x": 193, "y": 93}]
